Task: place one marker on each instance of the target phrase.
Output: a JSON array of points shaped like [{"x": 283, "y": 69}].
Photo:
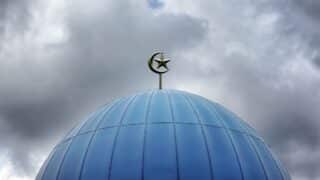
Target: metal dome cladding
[{"x": 165, "y": 135}]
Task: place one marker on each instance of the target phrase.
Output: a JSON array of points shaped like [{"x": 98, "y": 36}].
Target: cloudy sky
[{"x": 60, "y": 60}]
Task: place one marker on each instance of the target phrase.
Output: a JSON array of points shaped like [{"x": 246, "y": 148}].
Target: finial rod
[{"x": 160, "y": 81}]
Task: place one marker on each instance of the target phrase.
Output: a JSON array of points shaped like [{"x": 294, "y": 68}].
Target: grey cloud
[
  {"x": 300, "y": 21},
  {"x": 309, "y": 7},
  {"x": 308, "y": 169},
  {"x": 14, "y": 13},
  {"x": 13, "y": 8},
  {"x": 156, "y": 3}
]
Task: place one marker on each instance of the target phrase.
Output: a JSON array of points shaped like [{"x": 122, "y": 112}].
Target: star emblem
[{"x": 162, "y": 62}]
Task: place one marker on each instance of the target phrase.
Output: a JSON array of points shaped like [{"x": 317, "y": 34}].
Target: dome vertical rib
[
  {"x": 145, "y": 132},
  {"x": 162, "y": 134},
  {"x": 227, "y": 134},
  {"x": 203, "y": 133},
  {"x": 252, "y": 145},
  {"x": 99, "y": 121},
  {"x": 103, "y": 114},
  {"x": 117, "y": 134},
  {"x": 218, "y": 116},
  {"x": 175, "y": 134},
  {"x": 232, "y": 137}
]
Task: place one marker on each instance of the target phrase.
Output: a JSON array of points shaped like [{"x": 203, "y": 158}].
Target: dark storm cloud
[
  {"x": 308, "y": 169},
  {"x": 301, "y": 20},
  {"x": 284, "y": 111},
  {"x": 156, "y": 3},
  {"x": 300, "y": 101},
  {"x": 14, "y": 8},
  {"x": 14, "y": 19},
  {"x": 103, "y": 58},
  {"x": 14, "y": 13},
  {"x": 309, "y": 7}
]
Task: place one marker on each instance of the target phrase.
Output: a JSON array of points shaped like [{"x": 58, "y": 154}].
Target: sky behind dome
[{"x": 61, "y": 60}]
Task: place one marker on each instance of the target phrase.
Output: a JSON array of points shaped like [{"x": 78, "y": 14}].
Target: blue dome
[{"x": 165, "y": 135}]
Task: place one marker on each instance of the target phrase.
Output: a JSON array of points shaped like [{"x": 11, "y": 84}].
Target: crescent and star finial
[{"x": 161, "y": 66}]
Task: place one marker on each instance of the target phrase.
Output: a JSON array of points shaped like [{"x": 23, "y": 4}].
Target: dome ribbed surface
[{"x": 165, "y": 135}]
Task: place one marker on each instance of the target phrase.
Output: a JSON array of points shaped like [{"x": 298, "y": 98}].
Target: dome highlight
[{"x": 165, "y": 135}]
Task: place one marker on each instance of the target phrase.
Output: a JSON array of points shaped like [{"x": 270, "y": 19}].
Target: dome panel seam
[{"x": 204, "y": 135}]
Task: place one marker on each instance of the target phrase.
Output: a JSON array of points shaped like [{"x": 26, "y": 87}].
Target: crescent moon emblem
[{"x": 150, "y": 62}]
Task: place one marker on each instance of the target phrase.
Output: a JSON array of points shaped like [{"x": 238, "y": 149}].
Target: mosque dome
[{"x": 165, "y": 135}]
